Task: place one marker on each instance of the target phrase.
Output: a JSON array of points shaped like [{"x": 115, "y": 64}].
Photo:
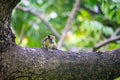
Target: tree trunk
[
  {"x": 19, "y": 63},
  {"x": 7, "y": 38}
]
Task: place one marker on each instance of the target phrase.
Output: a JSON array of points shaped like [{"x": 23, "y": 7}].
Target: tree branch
[
  {"x": 89, "y": 10},
  {"x": 19, "y": 63},
  {"x": 105, "y": 42},
  {"x": 33, "y": 12},
  {"x": 42, "y": 64},
  {"x": 116, "y": 32},
  {"x": 68, "y": 24},
  {"x": 92, "y": 12},
  {"x": 113, "y": 38},
  {"x": 21, "y": 35},
  {"x": 6, "y": 7}
]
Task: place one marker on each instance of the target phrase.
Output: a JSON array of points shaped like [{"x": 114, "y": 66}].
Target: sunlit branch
[
  {"x": 68, "y": 24},
  {"x": 39, "y": 15},
  {"x": 113, "y": 38}
]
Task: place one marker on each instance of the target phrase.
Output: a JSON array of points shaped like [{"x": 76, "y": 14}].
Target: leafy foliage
[{"x": 95, "y": 21}]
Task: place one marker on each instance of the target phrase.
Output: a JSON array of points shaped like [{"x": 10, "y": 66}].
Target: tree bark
[
  {"x": 19, "y": 63},
  {"x": 7, "y": 38},
  {"x": 41, "y": 64}
]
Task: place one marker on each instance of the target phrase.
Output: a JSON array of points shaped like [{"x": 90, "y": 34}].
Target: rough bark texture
[
  {"x": 7, "y": 38},
  {"x": 18, "y": 63},
  {"x": 40, "y": 64}
]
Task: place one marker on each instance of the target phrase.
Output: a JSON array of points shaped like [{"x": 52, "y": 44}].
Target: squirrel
[{"x": 49, "y": 42}]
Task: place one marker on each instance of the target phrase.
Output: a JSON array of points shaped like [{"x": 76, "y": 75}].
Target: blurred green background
[{"x": 95, "y": 21}]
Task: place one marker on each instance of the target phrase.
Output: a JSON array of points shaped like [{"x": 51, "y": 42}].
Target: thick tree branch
[
  {"x": 31, "y": 11},
  {"x": 68, "y": 24},
  {"x": 27, "y": 63},
  {"x": 19, "y": 63}
]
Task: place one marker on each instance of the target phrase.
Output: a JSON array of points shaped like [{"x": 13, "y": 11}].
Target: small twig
[
  {"x": 21, "y": 35},
  {"x": 116, "y": 32},
  {"x": 93, "y": 12},
  {"x": 39, "y": 15},
  {"x": 105, "y": 42},
  {"x": 68, "y": 24},
  {"x": 113, "y": 38}
]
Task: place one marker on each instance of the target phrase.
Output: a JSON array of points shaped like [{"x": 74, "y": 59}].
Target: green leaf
[
  {"x": 118, "y": 16},
  {"x": 108, "y": 31},
  {"x": 92, "y": 2}
]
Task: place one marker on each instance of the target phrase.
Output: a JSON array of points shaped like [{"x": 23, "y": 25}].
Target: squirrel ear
[{"x": 48, "y": 36}]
